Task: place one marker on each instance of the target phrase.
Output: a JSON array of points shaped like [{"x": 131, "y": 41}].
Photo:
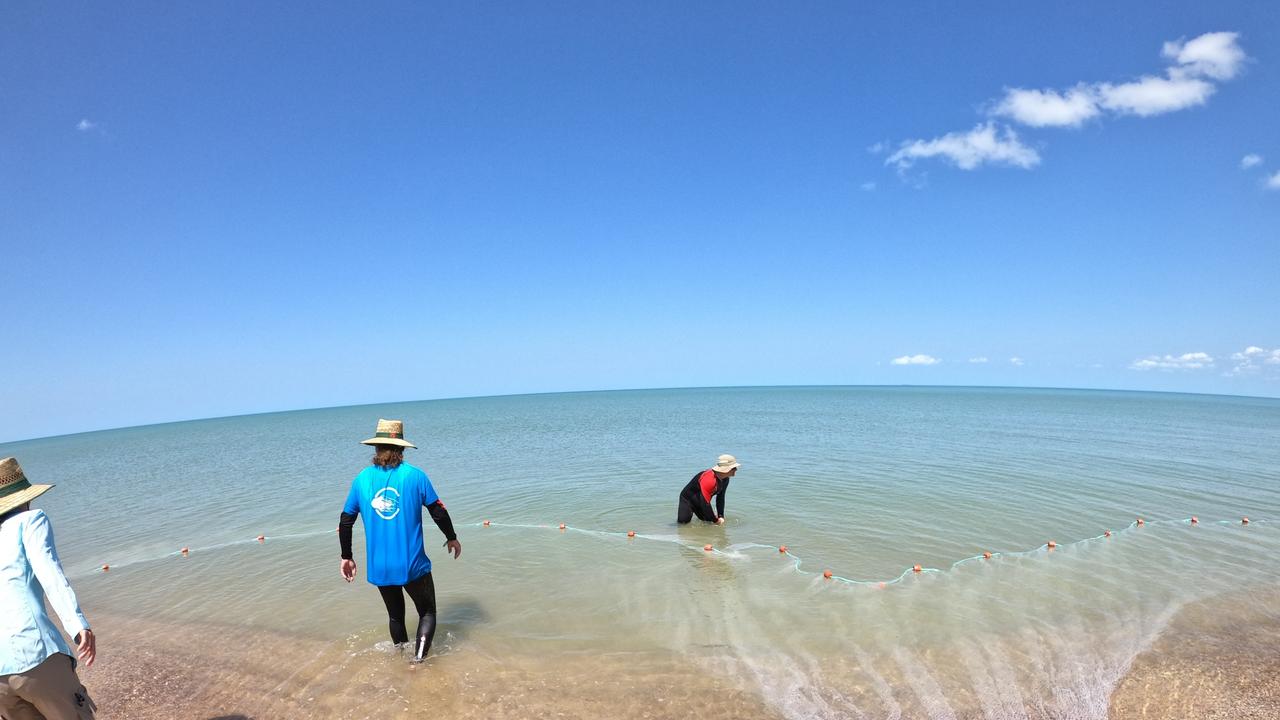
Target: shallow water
[{"x": 866, "y": 482}]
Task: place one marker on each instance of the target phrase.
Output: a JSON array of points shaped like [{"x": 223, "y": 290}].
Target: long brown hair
[{"x": 388, "y": 456}]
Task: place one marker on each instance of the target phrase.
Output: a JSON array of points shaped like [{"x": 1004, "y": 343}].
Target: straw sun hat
[
  {"x": 390, "y": 432},
  {"x": 726, "y": 463},
  {"x": 15, "y": 489}
]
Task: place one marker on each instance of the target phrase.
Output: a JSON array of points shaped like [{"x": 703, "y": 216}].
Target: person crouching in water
[
  {"x": 390, "y": 494},
  {"x": 695, "y": 498},
  {"x": 37, "y": 670}
]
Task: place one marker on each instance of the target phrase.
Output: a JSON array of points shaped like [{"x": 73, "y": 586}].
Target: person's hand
[
  {"x": 348, "y": 570},
  {"x": 720, "y": 521},
  {"x": 455, "y": 547},
  {"x": 86, "y": 647}
]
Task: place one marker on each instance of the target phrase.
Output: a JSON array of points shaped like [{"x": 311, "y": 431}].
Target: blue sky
[{"x": 220, "y": 208}]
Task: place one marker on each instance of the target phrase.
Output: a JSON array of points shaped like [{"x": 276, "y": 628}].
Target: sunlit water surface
[{"x": 864, "y": 482}]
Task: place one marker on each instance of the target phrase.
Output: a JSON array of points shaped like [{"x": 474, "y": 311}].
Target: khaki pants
[{"x": 48, "y": 691}]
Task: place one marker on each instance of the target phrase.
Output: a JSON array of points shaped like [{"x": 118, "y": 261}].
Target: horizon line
[{"x": 638, "y": 389}]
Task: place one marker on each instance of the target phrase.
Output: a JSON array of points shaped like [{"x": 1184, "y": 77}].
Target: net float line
[
  {"x": 185, "y": 551},
  {"x": 828, "y": 574},
  {"x": 188, "y": 550},
  {"x": 259, "y": 539},
  {"x": 990, "y": 555}
]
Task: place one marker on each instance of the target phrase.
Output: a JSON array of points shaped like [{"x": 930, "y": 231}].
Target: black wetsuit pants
[
  {"x": 691, "y": 505},
  {"x": 423, "y": 594}
]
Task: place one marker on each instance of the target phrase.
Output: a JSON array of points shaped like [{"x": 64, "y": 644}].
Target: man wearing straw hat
[
  {"x": 391, "y": 494},
  {"x": 695, "y": 498},
  {"x": 37, "y": 672}
]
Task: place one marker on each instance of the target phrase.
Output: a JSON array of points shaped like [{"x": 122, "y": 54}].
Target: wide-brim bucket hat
[
  {"x": 389, "y": 432},
  {"x": 15, "y": 488},
  {"x": 726, "y": 464}
]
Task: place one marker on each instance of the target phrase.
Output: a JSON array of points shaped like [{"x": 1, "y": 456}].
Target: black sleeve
[
  {"x": 704, "y": 507},
  {"x": 724, "y": 487},
  {"x": 345, "y": 523},
  {"x": 441, "y": 516}
]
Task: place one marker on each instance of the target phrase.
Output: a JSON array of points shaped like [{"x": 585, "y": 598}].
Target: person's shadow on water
[{"x": 459, "y": 616}]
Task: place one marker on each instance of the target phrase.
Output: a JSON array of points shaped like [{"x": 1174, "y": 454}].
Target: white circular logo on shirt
[{"x": 386, "y": 503}]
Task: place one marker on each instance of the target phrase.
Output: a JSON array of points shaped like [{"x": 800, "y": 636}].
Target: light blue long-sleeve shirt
[{"x": 29, "y": 570}]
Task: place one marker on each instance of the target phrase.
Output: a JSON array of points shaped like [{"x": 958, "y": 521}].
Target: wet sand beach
[
  {"x": 150, "y": 672},
  {"x": 1217, "y": 659}
]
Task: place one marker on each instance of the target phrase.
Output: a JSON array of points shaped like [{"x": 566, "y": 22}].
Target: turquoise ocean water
[{"x": 864, "y": 482}]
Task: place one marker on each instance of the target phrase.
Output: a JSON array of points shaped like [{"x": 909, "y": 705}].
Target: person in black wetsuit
[
  {"x": 390, "y": 494},
  {"x": 695, "y": 498}
]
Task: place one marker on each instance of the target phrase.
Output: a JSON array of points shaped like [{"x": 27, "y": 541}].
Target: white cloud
[
  {"x": 1215, "y": 55},
  {"x": 1253, "y": 358},
  {"x": 868, "y": 186},
  {"x": 85, "y": 126},
  {"x": 981, "y": 145},
  {"x": 1187, "y": 81},
  {"x": 977, "y": 360},
  {"x": 1049, "y": 108},
  {"x": 1273, "y": 182},
  {"x": 915, "y": 360},
  {"x": 1252, "y": 351},
  {"x": 877, "y": 148},
  {"x": 1250, "y": 160},
  {"x": 1186, "y": 361},
  {"x": 1150, "y": 95},
  {"x": 1015, "y": 360}
]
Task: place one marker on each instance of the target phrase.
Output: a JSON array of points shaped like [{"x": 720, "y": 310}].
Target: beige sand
[
  {"x": 159, "y": 674},
  {"x": 1218, "y": 659}
]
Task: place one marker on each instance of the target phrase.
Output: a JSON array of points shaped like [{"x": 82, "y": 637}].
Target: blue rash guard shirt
[{"x": 391, "y": 502}]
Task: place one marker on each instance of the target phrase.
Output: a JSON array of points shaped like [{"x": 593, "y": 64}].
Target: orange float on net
[
  {"x": 917, "y": 568},
  {"x": 986, "y": 556},
  {"x": 782, "y": 548},
  {"x": 826, "y": 574},
  {"x": 881, "y": 586},
  {"x": 1244, "y": 521},
  {"x": 707, "y": 548},
  {"x": 631, "y": 533}
]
